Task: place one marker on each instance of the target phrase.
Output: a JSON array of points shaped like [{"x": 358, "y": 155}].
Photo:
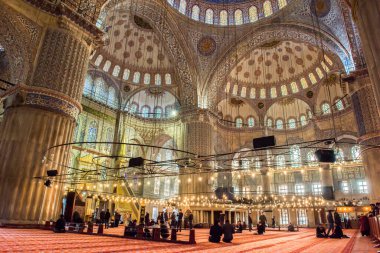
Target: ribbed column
[
  {"x": 266, "y": 182},
  {"x": 367, "y": 18},
  {"x": 37, "y": 117},
  {"x": 327, "y": 182}
]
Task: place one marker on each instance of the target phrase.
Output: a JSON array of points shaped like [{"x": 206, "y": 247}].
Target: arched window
[
  {"x": 126, "y": 74},
  {"x": 284, "y": 90},
  {"x": 89, "y": 86},
  {"x": 157, "y": 79},
  {"x": 133, "y": 108},
  {"x": 158, "y": 112},
  {"x": 245, "y": 163},
  {"x": 145, "y": 111},
  {"x": 294, "y": 87},
  {"x": 98, "y": 60},
  {"x": 101, "y": 19},
  {"x": 328, "y": 60},
  {"x": 262, "y": 93},
  {"x": 312, "y": 78},
  {"x": 339, "y": 154},
  {"x": 304, "y": 83},
  {"x": 228, "y": 87},
  {"x": 267, "y": 8},
  {"x": 356, "y": 153},
  {"x": 239, "y": 122},
  {"x": 325, "y": 68},
  {"x": 243, "y": 92},
  {"x": 235, "y": 90},
  {"x": 195, "y": 12},
  {"x": 292, "y": 123},
  {"x": 251, "y": 122},
  {"x": 309, "y": 114},
  {"x": 209, "y": 16},
  {"x": 295, "y": 156},
  {"x": 319, "y": 73},
  {"x": 326, "y": 109},
  {"x": 252, "y": 93},
  {"x": 136, "y": 77},
  {"x": 146, "y": 78},
  {"x": 282, "y": 3},
  {"x": 182, "y": 6},
  {"x": 168, "y": 79},
  {"x": 339, "y": 104},
  {"x": 279, "y": 124},
  {"x": 252, "y": 14},
  {"x": 303, "y": 120},
  {"x": 223, "y": 17},
  {"x": 273, "y": 92},
  {"x": 238, "y": 17},
  {"x": 269, "y": 122},
  {"x": 280, "y": 161},
  {"x": 107, "y": 66},
  {"x": 92, "y": 133},
  {"x": 116, "y": 71}
]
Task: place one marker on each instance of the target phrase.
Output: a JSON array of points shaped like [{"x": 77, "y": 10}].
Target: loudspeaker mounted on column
[
  {"x": 136, "y": 162},
  {"x": 264, "y": 142},
  {"x": 325, "y": 155}
]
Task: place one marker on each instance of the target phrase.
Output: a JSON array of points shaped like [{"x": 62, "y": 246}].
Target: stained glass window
[
  {"x": 339, "y": 104},
  {"x": 319, "y": 73},
  {"x": 304, "y": 83},
  {"x": 107, "y": 66},
  {"x": 355, "y": 153},
  {"x": 292, "y": 123},
  {"x": 133, "y": 108},
  {"x": 126, "y": 74},
  {"x": 363, "y": 187},
  {"x": 311, "y": 158},
  {"x": 195, "y": 12},
  {"x": 235, "y": 90},
  {"x": 239, "y": 122},
  {"x": 251, "y": 122},
  {"x": 243, "y": 92},
  {"x": 262, "y": 93},
  {"x": 328, "y": 60},
  {"x": 324, "y": 66},
  {"x": 294, "y": 87},
  {"x": 158, "y": 112},
  {"x": 267, "y": 8},
  {"x": 209, "y": 16},
  {"x": 228, "y": 86},
  {"x": 283, "y": 189},
  {"x": 300, "y": 189},
  {"x": 101, "y": 91},
  {"x": 157, "y": 79},
  {"x": 171, "y": 2},
  {"x": 270, "y": 122},
  {"x": 238, "y": 17},
  {"x": 339, "y": 154},
  {"x": 98, "y": 60},
  {"x": 282, "y": 4},
  {"x": 88, "y": 86},
  {"x": 145, "y": 111},
  {"x": 326, "y": 108},
  {"x": 280, "y": 161},
  {"x": 295, "y": 156},
  {"x": 279, "y": 124},
  {"x": 168, "y": 79},
  {"x": 273, "y": 92},
  {"x": 253, "y": 14},
  {"x": 182, "y": 6},
  {"x": 112, "y": 101},
  {"x": 252, "y": 93},
  {"x": 223, "y": 18},
  {"x": 312, "y": 78},
  {"x": 284, "y": 90},
  {"x": 146, "y": 78},
  {"x": 136, "y": 77},
  {"x": 116, "y": 71},
  {"x": 303, "y": 120}
]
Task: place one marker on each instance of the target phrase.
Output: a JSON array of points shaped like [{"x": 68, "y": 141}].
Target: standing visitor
[
  {"x": 330, "y": 221},
  {"x": 273, "y": 222},
  {"x": 102, "y": 216},
  {"x": 191, "y": 217},
  {"x": 117, "y": 218},
  {"x": 364, "y": 225},
  {"x": 107, "y": 218},
  {"x": 228, "y": 231},
  {"x": 249, "y": 223},
  {"x": 166, "y": 217},
  {"x": 147, "y": 221},
  {"x": 263, "y": 220},
  {"x": 173, "y": 222},
  {"x": 337, "y": 219},
  {"x": 180, "y": 217}
]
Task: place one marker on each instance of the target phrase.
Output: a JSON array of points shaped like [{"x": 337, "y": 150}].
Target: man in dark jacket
[
  {"x": 263, "y": 220},
  {"x": 191, "y": 217},
  {"x": 249, "y": 223},
  {"x": 228, "y": 231},
  {"x": 330, "y": 221},
  {"x": 107, "y": 218},
  {"x": 102, "y": 217},
  {"x": 180, "y": 217},
  {"x": 117, "y": 219},
  {"x": 215, "y": 233}
]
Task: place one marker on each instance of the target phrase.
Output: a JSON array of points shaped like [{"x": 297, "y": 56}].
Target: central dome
[{"x": 228, "y": 12}]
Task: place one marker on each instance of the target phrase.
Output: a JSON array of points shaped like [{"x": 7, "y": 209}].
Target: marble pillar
[
  {"x": 327, "y": 182},
  {"x": 266, "y": 182},
  {"x": 38, "y": 116}
]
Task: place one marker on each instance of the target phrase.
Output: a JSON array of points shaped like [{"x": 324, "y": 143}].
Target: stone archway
[{"x": 262, "y": 36}]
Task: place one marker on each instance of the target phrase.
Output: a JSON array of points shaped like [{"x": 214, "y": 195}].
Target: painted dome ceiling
[
  {"x": 279, "y": 68},
  {"x": 131, "y": 44}
]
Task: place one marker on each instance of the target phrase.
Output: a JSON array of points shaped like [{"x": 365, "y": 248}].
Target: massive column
[
  {"x": 40, "y": 115},
  {"x": 327, "y": 182},
  {"x": 368, "y": 121},
  {"x": 265, "y": 179},
  {"x": 198, "y": 140},
  {"x": 367, "y": 18}
]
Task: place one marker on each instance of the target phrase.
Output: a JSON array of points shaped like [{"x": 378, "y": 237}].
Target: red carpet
[{"x": 31, "y": 240}]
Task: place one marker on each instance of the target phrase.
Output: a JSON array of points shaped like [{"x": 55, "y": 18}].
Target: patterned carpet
[{"x": 32, "y": 240}]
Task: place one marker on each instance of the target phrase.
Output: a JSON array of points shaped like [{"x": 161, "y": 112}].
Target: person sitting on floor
[
  {"x": 291, "y": 228},
  {"x": 164, "y": 231},
  {"x": 215, "y": 233},
  {"x": 338, "y": 233},
  {"x": 228, "y": 231},
  {"x": 239, "y": 227},
  {"x": 60, "y": 225},
  {"x": 131, "y": 229},
  {"x": 260, "y": 228},
  {"x": 147, "y": 233},
  {"x": 321, "y": 231}
]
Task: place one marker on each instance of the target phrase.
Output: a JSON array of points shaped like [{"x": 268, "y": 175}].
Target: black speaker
[
  {"x": 136, "y": 162},
  {"x": 264, "y": 142},
  {"x": 52, "y": 173},
  {"x": 325, "y": 155}
]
